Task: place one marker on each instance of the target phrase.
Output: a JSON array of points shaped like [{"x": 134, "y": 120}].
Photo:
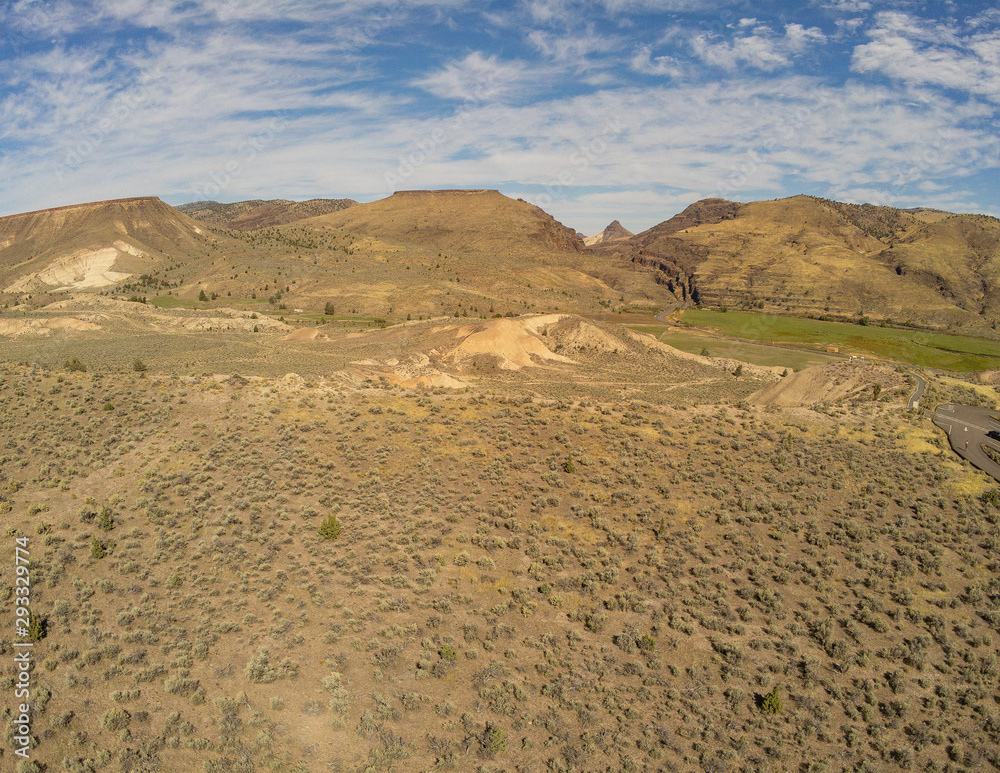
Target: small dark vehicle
[{"x": 993, "y": 434}]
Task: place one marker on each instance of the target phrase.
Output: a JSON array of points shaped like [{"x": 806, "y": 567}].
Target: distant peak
[{"x": 613, "y": 232}]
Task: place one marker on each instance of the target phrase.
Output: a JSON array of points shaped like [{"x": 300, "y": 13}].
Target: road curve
[
  {"x": 918, "y": 393},
  {"x": 967, "y": 426}
]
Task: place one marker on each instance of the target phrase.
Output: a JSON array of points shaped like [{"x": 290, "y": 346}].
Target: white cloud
[
  {"x": 799, "y": 38},
  {"x": 478, "y": 78},
  {"x": 198, "y": 94},
  {"x": 581, "y": 50},
  {"x": 849, "y": 6},
  {"x": 762, "y": 48},
  {"x": 642, "y": 61},
  {"x": 916, "y": 52}
]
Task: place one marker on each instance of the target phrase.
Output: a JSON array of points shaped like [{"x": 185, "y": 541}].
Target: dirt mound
[
  {"x": 832, "y": 384},
  {"x": 569, "y": 332},
  {"x": 511, "y": 342},
  {"x": 410, "y": 372}
]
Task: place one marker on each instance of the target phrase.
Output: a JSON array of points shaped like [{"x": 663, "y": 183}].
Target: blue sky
[{"x": 627, "y": 109}]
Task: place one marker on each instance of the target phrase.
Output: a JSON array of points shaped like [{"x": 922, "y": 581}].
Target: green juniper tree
[{"x": 330, "y": 528}]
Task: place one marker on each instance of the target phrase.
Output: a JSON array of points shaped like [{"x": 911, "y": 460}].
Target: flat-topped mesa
[
  {"x": 448, "y": 192},
  {"x": 476, "y": 220}
]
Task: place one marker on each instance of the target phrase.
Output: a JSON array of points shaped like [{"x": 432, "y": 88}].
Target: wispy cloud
[
  {"x": 762, "y": 48},
  {"x": 476, "y": 78},
  {"x": 643, "y": 61},
  {"x": 916, "y": 51},
  {"x": 110, "y": 98}
]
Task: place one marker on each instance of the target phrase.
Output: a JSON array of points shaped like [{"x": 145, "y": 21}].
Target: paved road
[
  {"x": 918, "y": 393},
  {"x": 967, "y": 426}
]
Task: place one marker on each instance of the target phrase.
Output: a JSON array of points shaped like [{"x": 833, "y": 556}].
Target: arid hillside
[
  {"x": 810, "y": 256},
  {"x": 302, "y": 573},
  {"x": 425, "y": 485},
  {"x": 96, "y": 246},
  {"x": 413, "y": 255},
  {"x": 483, "y": 221},
  {"x": 417, "y": 254},
  {"x": 256, "y": 214}
]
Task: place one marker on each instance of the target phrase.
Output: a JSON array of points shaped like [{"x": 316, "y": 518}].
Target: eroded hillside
[{"x": 810, "y": 256}]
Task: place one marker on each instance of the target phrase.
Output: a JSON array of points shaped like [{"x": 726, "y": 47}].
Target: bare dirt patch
[
  {"x": 511, "y": 342},
  {"x": 834, "y": 383},
  {"x": 86, "y": 269},
  {"x": 45, "y": 326}
]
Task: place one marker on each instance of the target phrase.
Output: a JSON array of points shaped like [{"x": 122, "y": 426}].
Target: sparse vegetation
[{"x": 277, "y": 551}]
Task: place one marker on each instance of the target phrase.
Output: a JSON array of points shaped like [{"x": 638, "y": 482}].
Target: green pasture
[
  {"x": 756, "y": 354},
  {"x": 916, "y": 347}
]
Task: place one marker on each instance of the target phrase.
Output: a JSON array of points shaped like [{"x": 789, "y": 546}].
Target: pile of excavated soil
[{"x": 832, "y": 383}]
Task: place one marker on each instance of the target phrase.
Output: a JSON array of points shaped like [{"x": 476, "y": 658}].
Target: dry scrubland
[
  {"x": 591, "y": 553},
  {"x": 519, "y": 583}
]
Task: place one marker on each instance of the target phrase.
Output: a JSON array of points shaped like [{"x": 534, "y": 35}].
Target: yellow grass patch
[
  {"x": 966, "y": 482},
  {"x": 920, "y": 441}
]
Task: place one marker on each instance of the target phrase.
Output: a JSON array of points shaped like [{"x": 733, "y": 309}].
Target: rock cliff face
[
  {"x": 804, "y": 255},
  {"x": 674, "y": 258}
]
